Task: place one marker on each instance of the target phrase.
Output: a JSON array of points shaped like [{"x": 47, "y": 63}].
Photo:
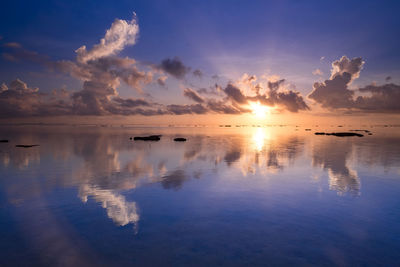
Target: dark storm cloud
[
  {"x": 189, "y": 93},
  {"x": 335, "y": 94},
  {"x": 174, "y": 67}
]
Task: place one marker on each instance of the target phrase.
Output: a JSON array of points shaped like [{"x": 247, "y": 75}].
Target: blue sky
[{"x": 228, "y": 38}]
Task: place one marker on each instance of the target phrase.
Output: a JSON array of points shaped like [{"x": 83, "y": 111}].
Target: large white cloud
[{"x": 121, "y": 34}]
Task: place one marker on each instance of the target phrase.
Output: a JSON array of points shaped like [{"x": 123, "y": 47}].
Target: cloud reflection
[
  {"x": 334, "y": 156},
  {"x": 104, "y": 164},
  {"x": 121, "y": 211}
]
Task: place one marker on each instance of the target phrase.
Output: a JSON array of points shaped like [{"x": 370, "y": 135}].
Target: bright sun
[{"x": 260, "y": 111}]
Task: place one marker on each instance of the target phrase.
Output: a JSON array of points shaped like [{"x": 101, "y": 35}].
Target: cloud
[
  {"x": 102, "y": 72},
  {"x": 335, "y": 94},
  {"x": 275, "y": 96},
  {"x": 174, "y": 67},
  {"x": 15, "y": 53},
  {"x": 215, "y": 90},
  {"x": 189, "y": 93},
  {"x": 130, "y": 102},
  {"x": 318, "y": 72},
  {"x": 383, "y": 98},
  {"x": 161, "y": 80},
  {"x": 186, "y": 109},
  {"x": 345, "y": 65},
  {"x": 198, "y": 73},
  {"x": 222, "y": 107},
  {"x": 120, "y": 34},
  {"x": 19, "y": 100},
  {"x": 235, "y": 94}
]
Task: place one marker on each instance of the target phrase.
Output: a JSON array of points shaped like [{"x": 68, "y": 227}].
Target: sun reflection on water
[{"x": 259, "y": 137}]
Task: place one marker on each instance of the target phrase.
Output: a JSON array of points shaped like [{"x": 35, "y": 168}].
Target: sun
[{"x": 260, "y": 111}]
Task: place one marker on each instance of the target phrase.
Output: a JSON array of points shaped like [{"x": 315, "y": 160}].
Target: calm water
[{"x": 252, "y": 196}]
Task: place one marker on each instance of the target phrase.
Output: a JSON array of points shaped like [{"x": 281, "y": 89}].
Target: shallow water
[{"x": 232, "y": 196}]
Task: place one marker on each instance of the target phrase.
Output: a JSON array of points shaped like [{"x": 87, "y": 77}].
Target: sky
[{"x": 196, "y": 61}]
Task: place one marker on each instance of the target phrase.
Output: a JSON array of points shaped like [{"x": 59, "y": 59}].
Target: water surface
[{"x": 230, "y": 196}]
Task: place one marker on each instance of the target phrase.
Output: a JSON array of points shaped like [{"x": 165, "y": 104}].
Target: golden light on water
[{"x": 259, "y": 137}]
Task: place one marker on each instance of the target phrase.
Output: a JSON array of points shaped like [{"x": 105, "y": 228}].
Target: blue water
[{"x": 239, "y": 196}]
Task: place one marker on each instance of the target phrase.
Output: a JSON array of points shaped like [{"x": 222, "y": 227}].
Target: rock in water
[
  {"x": 148, "y": 138},
  {"x": 179, "y": 139},
  {"x": 343, "y": 134}
]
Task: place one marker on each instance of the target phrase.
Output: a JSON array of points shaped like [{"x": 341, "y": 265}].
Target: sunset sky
[{"x": 199, "y": 61}]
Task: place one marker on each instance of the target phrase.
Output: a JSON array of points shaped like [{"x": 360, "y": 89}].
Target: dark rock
[
  {"x": 307, "y": 129},
  {"x": 319, "y": 133},
  {"x": 130, "y": 138},
  {"x": 344, "y": 134},
  {"x": 148, "y": 138},
  {"x": 179, "y": 139},
  {"x": 26, "y": 146},
  {"x": 4, "y": 141}
]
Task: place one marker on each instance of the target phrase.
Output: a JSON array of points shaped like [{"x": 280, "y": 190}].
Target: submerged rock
[
  {"x": 26, "y": 146},
  {"x": 4, "y": 141},
  {"x": 148, "y": 138},
  {"x": 307, "y": 129},
  {"x": 319, "y": 133},
  {"x": 179, "y": 139}
]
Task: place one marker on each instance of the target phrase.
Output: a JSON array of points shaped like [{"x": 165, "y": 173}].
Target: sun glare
[
  {"x": 260, "y": 111},
  {"x": 259, "y": 137}
]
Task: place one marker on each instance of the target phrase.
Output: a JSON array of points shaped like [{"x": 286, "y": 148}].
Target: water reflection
[
  {"x": 335, "y": 158},
  {"x": 122, "y": 212},
  {"x": 104, "y": 164}
]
